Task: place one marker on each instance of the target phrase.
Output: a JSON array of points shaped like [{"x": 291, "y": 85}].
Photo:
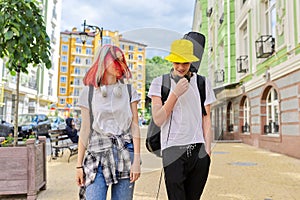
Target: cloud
[{"x": 154, "y": 23}]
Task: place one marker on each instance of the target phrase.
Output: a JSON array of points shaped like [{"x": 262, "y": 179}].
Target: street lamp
[{"x": 96, "y": 30}]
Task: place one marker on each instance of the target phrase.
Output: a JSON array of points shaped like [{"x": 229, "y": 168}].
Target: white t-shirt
[
  {"x": 186, "y": 124},
  {"x": 112, "y": 114}
]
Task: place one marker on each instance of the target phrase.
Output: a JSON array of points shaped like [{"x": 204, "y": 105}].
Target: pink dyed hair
[{"x": 95, "y": 74}]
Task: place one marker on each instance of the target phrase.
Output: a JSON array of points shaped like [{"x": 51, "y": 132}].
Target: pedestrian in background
[
  {"x": 185, "y": 132},
  {"x": 110, "y": 154},
  {"x": 71, "y": 130}
]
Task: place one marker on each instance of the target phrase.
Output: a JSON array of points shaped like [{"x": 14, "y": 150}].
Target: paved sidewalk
[{"x": 238, "y": 172}]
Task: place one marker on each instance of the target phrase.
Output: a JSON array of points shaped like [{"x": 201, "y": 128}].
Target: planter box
[{"x": 23, "y": 169}]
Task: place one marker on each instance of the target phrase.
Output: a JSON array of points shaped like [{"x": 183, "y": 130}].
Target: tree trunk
[{"x": 16, "y": 108}]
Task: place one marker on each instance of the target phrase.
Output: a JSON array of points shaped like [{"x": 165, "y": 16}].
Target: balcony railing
[
  {"x": 242, "y": 64},
  {"x": 245, "y": 128},
  {"x": 219, "y": 76},
  {"x": 271, "y": 128},
  {"x": 265, "y": 46},
  {"x": 230, "y": 128}
]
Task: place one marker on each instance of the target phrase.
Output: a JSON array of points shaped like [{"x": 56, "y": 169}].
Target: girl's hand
[
  {"x": 79, "y": 177},
  {"x": 135, "y": 171}
]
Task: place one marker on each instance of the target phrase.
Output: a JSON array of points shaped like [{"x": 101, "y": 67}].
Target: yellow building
[{"x": 76, "y": 57}]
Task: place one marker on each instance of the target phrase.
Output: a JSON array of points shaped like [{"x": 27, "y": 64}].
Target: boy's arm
[{"x": 206, "y": 125}]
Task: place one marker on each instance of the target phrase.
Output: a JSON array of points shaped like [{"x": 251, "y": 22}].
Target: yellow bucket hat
[{"x": 182, "y": 52}]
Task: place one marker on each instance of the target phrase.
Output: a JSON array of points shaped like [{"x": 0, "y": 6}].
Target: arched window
[
  {"x": 230, "y": 117},
  {"x": 272, "y": 113},
  {"x": 245, "y": 115}
]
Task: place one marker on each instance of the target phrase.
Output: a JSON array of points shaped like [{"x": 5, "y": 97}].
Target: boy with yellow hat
[{"x": 185, "y": 130}]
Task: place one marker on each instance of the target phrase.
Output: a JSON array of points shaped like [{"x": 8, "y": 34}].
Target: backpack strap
[
  {"x": 90, "y": 97},
  {"x": 129, "y": 92},
  {"x": 202, "y": 91},
  {"x": 165, "y": 87}
]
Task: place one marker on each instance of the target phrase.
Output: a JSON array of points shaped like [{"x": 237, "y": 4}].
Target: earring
[
  {"x": 103, "y": 90},
  {"x": 117, "y": 91}
]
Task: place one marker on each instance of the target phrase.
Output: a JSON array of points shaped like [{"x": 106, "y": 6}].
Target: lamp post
[{"x": 96, "y": 30}]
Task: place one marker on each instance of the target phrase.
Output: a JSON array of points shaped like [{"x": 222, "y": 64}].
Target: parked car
[
  {"x": 6, "y": 128},
  {"x": 37, "y": 124},
  {"x": 57, "y": 123}
]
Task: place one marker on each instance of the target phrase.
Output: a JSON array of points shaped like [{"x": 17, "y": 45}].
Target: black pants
[{"x": 186, "y": 169}]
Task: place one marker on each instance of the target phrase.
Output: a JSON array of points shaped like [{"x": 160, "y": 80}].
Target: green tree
[
  {"x": 155, "y": 67},
  {"x": 23, "y": 40}
]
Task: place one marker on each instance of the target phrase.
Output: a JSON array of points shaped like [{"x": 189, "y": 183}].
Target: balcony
[
  {"x": 219, "y": 76},
  {"x": 242, "y": 64},
  {"x": 265, "y": 46}
]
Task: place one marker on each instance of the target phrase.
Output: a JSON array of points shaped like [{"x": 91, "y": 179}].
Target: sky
[{"x": 155, "y": 23}]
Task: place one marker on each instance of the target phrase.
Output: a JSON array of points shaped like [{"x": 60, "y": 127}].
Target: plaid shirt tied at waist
[{"x": 100, "y": 151}]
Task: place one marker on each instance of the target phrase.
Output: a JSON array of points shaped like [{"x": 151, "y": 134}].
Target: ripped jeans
[{"x": 123, "y": 190}]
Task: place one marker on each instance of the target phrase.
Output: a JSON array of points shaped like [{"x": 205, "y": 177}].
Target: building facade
[
  {"x": 36, "y": 87},
  {"x": 76, "y": 58},
  {"x": 253, "y": 58}
]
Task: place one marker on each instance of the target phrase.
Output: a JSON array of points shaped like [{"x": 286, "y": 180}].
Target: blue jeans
[{"x": 123, "y": 190}]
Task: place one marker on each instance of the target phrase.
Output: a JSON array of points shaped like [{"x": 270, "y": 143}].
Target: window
[
  {"x": 65, "y": 39},
  {"x": 270, "y": 17},
  {"x": 77, "y": 81},
  {"x": 78, "y": 50},
  {"x": 246, "y": 116},
  {"x": 76, "y": 92},
  {"x": 77, "y": 60},
  {"x": 88, "y": 51},
  {"x": 130, "y": 66},
  {"x": 122, "y": 46},
  {"x": 106, "y": 40},
  {"x": 140, "y": 77},
  {"x": 140, "y": 49},
  {"x": 140, "y": 57},
  {"x": 131, "y": 48},
  {"x": 89, "y": 42},
  {"x": 64, "y": 48},
  {"x": 62, "y": 90},
  {"x": 230, "y": 117},
  {"x": 62, "y": 101},
  {"x": 272, "y": 119},
  {"x": 88, "y": 61},
  {"x": 78, "y": 41},
  {"x": 140, "y": 67},
  {"x": 63, "y": 69},
  {"x": 63, "y": 79},
  {"x": 64, "y": 58},
  {"x": 77, "y": 71},
  {"x": 130, "y": 56}
]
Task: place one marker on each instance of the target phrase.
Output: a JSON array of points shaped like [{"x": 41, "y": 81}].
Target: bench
[{"x": 59, "y": 141}]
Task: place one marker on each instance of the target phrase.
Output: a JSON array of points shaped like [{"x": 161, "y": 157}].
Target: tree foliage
[
  {"x": 23, "y": 40},
  {"x": 23, "y": 37},
  {"x": 155, "y": 67}
]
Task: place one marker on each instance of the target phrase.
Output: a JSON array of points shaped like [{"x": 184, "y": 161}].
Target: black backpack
[{"x": 153, "y": 144}]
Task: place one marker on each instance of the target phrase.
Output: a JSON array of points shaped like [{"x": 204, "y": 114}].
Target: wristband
[{"x": 79, "y": 167}]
